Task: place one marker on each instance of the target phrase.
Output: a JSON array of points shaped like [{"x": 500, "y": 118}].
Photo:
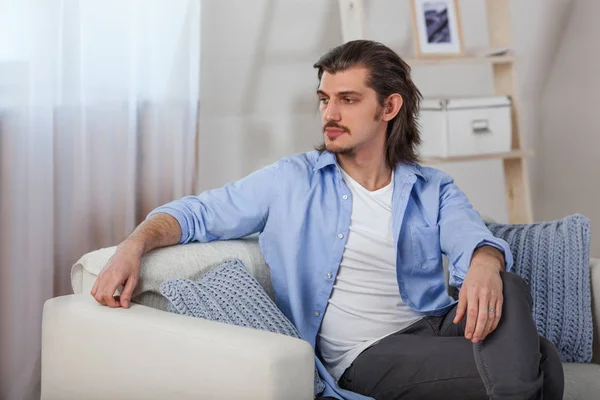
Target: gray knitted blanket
[
  {"x": 553, "y": 258},
  {"x": 229, "y": 294}
]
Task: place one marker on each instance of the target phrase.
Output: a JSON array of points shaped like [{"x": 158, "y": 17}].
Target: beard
[{"x": 334, "y": 148}]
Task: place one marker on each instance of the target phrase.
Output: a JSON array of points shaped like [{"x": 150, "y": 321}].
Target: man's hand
[
  {"x": 480, "y": 297},
  {"x": 122, "y": 269}
]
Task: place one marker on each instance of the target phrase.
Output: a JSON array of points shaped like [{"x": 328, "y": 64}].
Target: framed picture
[{"x": 437, "y": 28}]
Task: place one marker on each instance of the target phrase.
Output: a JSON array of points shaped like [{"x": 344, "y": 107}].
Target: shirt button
[
  {"x": 329, "y": 276},
  {"x": 340, "y": 235},
  {"x": 317, "y": 313},
  {"x": 345, "y": 197}
]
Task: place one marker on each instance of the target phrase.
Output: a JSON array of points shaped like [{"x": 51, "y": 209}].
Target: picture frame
[{"x": 437, "y": 28}]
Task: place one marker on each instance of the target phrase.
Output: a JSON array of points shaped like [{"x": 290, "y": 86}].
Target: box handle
[{"x": 480, "y": 126}]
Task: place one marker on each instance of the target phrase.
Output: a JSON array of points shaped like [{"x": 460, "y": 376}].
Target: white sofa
[{"x": 95, "y": 352}]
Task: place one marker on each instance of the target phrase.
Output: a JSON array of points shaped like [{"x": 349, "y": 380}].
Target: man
[{"x": 354, "y": 234}]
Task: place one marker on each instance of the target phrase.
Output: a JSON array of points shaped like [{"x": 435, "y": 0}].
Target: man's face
[{"x": 350, "y": 112}]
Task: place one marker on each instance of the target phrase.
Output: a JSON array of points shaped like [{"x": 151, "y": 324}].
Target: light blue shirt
[{"x": 301, "y": 208}]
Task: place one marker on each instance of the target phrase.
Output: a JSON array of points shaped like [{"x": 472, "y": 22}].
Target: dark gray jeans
[{"x": 432, "y": 360}]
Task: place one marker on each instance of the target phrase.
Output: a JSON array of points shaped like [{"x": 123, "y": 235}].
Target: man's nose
[{"x": 332, "y": 113}]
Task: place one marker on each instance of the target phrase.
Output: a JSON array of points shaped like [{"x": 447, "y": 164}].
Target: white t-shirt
[{"x": 365, "y": 304}]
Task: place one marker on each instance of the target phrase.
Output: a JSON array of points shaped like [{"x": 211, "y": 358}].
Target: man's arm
[
  {"x": 476, "y": 258},
  {"x": 463, "y": 233},
  {"x": 235, "y": 210},
  {"x": 489, "y": 255},
  {"x": 160, "y": 230}
]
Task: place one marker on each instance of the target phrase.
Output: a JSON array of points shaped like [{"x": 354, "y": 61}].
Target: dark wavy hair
[{"x": 388, "y": 74}]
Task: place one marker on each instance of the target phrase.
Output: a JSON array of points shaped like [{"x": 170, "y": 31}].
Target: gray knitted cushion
[
  {"x": 554, "y": 259},
  {"x": 229, "y": 294}
]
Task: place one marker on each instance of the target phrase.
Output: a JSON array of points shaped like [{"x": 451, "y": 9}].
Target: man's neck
[{"x": 372, "y": 172}]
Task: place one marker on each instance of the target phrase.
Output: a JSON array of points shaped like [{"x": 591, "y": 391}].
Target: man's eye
[
  {"x": 349, "y": 101},
  {"x": 323, "y": 100}
]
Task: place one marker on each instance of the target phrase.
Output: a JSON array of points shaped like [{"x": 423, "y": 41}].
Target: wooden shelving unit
[
  {"x": 518, "y": 198},
  {"x": 503, "y": 59},
  {"x": 511, "y": 155}
]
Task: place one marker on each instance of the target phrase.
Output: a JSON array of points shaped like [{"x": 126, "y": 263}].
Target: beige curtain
[{"x": 98, "y": 116}]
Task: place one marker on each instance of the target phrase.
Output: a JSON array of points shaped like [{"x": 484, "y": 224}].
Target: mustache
[{"x": 333, "y": 124}]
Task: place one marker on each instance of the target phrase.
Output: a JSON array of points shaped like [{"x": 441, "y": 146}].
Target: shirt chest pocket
[{"x": 427, "y": 253}]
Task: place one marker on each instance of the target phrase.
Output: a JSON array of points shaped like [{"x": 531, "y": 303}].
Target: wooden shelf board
[
  {"x": 504, "y": 59},
  {"x": 478, "y": 157}
]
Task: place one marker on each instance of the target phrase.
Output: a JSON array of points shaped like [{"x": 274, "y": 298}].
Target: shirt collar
[
  {"x": 409, "y": 169},
  {"x": 326, "y": 158}
]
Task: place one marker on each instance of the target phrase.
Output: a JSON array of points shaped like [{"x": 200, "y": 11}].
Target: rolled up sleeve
[
  {"x": 462, "y": 231},
  {"x": 236, "y": 210}
]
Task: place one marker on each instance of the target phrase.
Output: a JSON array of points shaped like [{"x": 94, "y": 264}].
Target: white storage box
[{"x": 465, "y": 126}]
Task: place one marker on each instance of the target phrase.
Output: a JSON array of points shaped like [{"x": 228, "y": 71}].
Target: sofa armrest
[
  {"x": 91, "y": 351},
  {"x": 189, "y": 261},
  {"x": 595, "y": 288}
]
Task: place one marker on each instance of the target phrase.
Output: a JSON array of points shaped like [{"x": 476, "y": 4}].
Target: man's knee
[
  {"x": 513, "y": 285},
  {"x": 512, "y": 279}
]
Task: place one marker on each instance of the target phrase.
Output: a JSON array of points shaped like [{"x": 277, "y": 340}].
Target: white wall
[
  {"x": 569, "y": 146},
  {"x": 258, "y": 84}
]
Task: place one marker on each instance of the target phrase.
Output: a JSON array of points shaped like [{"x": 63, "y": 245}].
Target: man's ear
[{"x": 391, "y": 107}]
